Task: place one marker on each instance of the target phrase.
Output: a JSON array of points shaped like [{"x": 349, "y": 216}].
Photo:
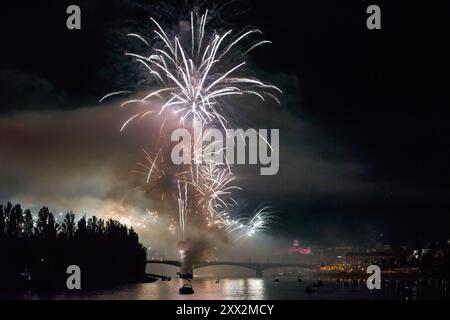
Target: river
[{"x": 239, "y": 289}]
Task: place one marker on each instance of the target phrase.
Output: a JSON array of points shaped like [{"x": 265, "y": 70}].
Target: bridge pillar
[{"x": 259, "y": 271}]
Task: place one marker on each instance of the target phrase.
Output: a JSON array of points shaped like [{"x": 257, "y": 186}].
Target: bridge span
[{"x": 259, "y": 267}]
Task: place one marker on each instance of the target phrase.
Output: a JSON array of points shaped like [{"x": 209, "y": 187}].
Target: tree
[
  {"x": 109, "y": 250},
  {"x": 92, "y": 224},
  {"x": 81, "y": 226},
  {"x": 47, "y": 227},
  {"x": 14, "y": 227},
  {"x": 101, "y": 227},
  {"x": 28, "y": 224},
  {"x": 52, "y": 228},
  {"x": 133, "y": 236},
  {"x": 68, "y": 226},
  {"x": 2, "y": 221},
  {"x": 41, "y": 223},
  {"x": 115, "y": 230},
  {"x": 7, "y": 212}
]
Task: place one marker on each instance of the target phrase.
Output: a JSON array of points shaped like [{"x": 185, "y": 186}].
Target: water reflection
[
  {"x": 232, "y": 289},
  {"x": 252, "y": 289}
]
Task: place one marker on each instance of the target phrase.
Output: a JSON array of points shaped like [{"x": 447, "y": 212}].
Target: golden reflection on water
[
  {"x": 253, "y": 289},
  {"x": 205, "y": 289},
  {"x": 225, "y": 289}
]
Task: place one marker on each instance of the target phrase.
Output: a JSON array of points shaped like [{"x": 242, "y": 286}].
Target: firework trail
[
  {"x": 214, "y": 191},
  {"x": 195, "y": 74},
  {"x": 160, "y": 176},
  {"x": 259, "y": 221},
  {"x": 182, "y": 201},
  {"x": 192, "y": 81}
]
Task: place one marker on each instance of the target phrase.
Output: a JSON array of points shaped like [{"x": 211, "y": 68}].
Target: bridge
[{"x": 259, "y": 267}]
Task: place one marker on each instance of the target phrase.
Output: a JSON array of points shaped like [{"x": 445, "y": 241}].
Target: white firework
[
  {"x": 194, "y": 74},
  {"x": 193, "y": 80},
  {"x": 214, "y": 188},
  {"x": 259, "y": 221}
]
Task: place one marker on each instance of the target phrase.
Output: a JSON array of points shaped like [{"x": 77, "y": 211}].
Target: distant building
[
  {"x": 296, "y": 253},
  {"x": 296, "y": 248}
]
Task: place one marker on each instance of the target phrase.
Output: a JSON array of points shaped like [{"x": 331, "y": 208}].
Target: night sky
[{"x": 364, "y": 121}]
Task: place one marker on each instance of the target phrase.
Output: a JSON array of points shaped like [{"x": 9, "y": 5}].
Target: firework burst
[
  {"x": 195, "y": 72},
  {"x": 214, "y": 192},
  {"x": 194, "y": 76},
  {"x": 160, "y": 176},
  {"x": 259, "y": 221}
]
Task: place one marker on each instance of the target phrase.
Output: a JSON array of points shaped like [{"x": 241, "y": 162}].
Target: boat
[
  {"x": 164, "y": 278},
  {"x": 186, "y": 289}
]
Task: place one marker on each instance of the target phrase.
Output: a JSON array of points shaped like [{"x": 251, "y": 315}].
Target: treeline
[{"x": 37, "y": 251}]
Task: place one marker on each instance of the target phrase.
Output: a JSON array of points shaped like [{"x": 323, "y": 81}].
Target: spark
[
  {"x": 195, "y": 76},
  {"x": 258, "y": 222},
  {"x": 182, "y": 201},
  {"x": 192, "y": 81}
]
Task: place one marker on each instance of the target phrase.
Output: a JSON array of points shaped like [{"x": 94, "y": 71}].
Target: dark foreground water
[{"x": 245, "y": 289}]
